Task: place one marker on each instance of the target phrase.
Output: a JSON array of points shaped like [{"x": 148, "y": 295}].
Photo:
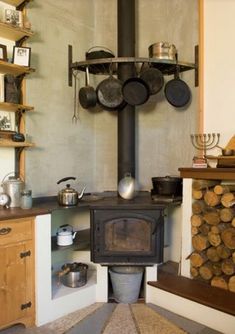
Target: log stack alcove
[{"x": 212, "y": 225}]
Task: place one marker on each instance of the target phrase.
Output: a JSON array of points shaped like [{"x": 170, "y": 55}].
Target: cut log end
[
  {"x": 228, "y": 237},
  {"x": 219, "y": 282}
]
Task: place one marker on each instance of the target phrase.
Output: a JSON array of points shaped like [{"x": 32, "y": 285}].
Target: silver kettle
[
  {"x": 127, "y": 187},
  {"x": 69, "y": 196}
]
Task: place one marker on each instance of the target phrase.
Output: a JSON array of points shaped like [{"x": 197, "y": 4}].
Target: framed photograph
[
  {"x": 3, "y": 52},
  {"x": 2, "y": 88},
  {"x": 5, "y": 121},
  {"x": 13, "y": 17},
  {"x": 21, "y": 56}
]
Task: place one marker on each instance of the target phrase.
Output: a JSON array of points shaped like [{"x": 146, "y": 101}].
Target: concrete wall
[
  {"x": 63, "y": 148},
  {"x": 219, "y": 98},
  {"x": 164, "y": 132},
  {"x": 88, "y": 149}
]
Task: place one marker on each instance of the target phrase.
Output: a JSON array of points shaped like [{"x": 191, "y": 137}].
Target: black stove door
[{"x": 127, "y": 236}]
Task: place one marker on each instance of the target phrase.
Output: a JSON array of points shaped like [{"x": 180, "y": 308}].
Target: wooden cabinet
[{"x": 17, "y": 300}]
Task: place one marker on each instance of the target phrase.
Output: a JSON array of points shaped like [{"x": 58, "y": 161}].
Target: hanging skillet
[
  {"x": 109, "y": 92},
  {"x": 177, "y": 92},
  {"x": 135, "y": 91},
  {"x": 154, "y": 79}
]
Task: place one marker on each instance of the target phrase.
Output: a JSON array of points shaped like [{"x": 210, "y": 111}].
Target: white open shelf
[{"x": 60, "y": 290}]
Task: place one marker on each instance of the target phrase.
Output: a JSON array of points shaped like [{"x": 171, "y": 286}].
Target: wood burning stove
[
  {"x": 127, "y": 231},
  {"x": 127, "y": 235}
]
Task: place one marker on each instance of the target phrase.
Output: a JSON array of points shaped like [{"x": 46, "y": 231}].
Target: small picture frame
[
  {"x": 3, "y": 52},
  {"x": 13, "y": 17},
  {"x": 21, "y": 56},
  {"x": 5, "y": 121}
]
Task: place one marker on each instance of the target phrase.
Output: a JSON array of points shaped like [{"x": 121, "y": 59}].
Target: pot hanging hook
[{"x": 75, "y": 115}]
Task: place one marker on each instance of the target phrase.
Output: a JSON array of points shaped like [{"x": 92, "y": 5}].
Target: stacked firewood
[{"x": 213, "y": 233}]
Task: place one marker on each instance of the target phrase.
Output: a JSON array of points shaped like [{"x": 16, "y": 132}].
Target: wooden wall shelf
[
  {"x": 13, "y": 33},
  {"x": 208, "y": 173},
  {"x": 5, "y": 106},
  {"x": 10, "y": 143},
  {"x": 15, "y": 3},
  {"x": 9, "y": 68}
]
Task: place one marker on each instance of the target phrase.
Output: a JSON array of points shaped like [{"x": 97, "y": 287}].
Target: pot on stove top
[{"x": 167, "y": 185}]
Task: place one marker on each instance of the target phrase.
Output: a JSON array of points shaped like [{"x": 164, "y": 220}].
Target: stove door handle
[{"x": 158, "y": 223}]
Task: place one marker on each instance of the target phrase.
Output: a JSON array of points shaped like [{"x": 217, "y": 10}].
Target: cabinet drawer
[{"x": 16, "y": 230}]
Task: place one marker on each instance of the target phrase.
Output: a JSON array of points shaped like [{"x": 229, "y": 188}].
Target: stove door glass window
[{"x": 129, "y": 234}]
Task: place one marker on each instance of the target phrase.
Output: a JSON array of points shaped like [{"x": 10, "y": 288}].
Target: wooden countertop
[
  {"x": 45, "y": 205},
  {"x": 208, "y": 173},
  {"x": 41, "y": 206}
]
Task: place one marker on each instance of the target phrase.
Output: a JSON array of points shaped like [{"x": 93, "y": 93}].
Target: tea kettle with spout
[
  {"x": 65, "y": 235},
  {"x": 69, "y": 196}
]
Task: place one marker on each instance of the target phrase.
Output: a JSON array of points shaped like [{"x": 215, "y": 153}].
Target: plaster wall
[
  {"x": 62, "y": 148},
  {"x": 88, "y": 149},
  {"x": 219, "y": 73},
  {"x": 162, "y": 132}
]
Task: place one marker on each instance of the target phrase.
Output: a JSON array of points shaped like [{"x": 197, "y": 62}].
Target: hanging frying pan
[
  {"x": 87, "y": 94},
  {"x": 135, "y": 91},
  {"x": 154, "y": 79},
  {"x": 177, "y": 92},
  {"x": 109, "y": 92}
]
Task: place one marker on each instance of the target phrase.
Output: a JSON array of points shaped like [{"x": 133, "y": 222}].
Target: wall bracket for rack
[
  {"x": 196, "y": 55},
  {"x": 18, "y": 151},
  {"x": 22, "y": 4},
  {"x": 21, "y": 41},
  {"x": 70, "y": 70}
]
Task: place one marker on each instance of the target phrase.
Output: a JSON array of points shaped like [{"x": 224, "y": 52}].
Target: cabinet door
[{"x": 16, "y": 282}]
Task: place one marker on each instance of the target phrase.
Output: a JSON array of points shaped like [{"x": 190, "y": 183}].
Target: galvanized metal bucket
[{"x": 126, "y": 282}]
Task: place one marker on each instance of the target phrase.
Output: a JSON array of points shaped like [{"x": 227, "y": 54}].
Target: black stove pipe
[{"x": 126, "y": 116}]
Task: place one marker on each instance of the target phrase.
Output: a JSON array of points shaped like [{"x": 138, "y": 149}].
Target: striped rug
[{"x": 124, "y": 319}]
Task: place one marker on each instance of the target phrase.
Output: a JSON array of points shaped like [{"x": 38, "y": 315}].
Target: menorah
[{"x": 205, "y": 141}]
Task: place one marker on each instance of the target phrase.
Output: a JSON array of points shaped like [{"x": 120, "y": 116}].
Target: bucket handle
[{"x": 7, "y": 175}]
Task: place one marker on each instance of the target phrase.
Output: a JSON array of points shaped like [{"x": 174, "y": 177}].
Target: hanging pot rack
[{"x": 96, "y": 66}]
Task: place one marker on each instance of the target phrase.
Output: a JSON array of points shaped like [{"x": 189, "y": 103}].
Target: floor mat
[
  {"x": 63, "y": 324},
  {"x": 93, "y": 323},
  {"x": 121, "y": 321},
  {"x": 150, "y": 322}
]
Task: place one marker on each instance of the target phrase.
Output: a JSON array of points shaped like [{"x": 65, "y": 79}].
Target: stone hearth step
[{"x": 194, "y": 290}]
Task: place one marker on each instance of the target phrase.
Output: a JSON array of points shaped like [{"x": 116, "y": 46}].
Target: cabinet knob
[{"x": 5, "y": 230}]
